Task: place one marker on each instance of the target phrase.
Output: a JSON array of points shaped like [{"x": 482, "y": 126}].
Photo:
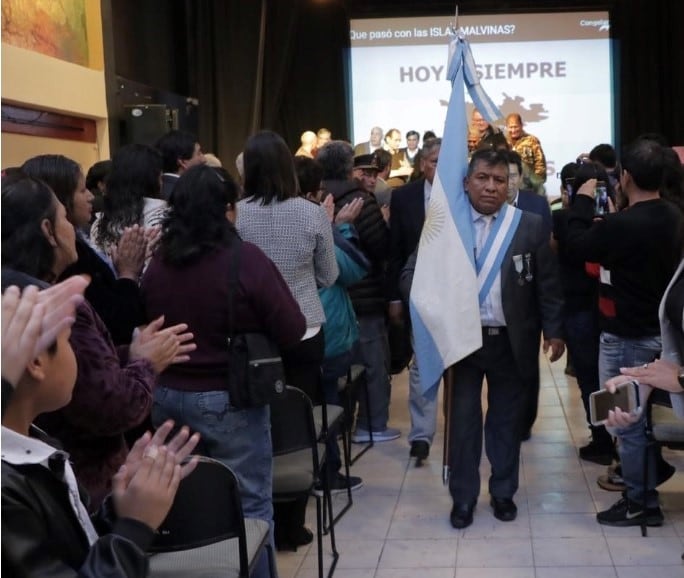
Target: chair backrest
[
  {"x": 292, "y": 423},
  {"x": 207, "y": 509}
]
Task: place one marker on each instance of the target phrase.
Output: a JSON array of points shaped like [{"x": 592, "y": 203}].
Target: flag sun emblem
[{"x": 434, "y": 222}]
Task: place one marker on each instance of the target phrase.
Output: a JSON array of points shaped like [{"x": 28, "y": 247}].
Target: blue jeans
[
  {"x": 617, "y": 352},
  {"x": 422, "y": 408},
  {"x": 241, "y": 439},
  {"x": 372, "y": 349}
]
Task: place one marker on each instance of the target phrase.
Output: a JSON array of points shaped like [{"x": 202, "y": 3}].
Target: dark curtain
[
  {"x": 650, "y": 79},
  {"x": 304, "y": 84},
  {"x": 302, "y": 76},
  {"x": 222, "y": 47}
]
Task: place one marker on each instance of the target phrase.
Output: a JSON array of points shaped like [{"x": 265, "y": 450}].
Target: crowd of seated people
[{"x": 130, "y": 318}]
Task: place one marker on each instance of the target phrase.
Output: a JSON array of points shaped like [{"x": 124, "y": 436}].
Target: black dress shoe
[
  {"x": 289, "y": 543},
  {"x": 462, "y": 515},
  {"x": 504, "y": 509},
  {"x": 420, "y": 449}
]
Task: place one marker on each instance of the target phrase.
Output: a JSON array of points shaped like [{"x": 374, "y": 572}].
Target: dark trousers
[
  {"x": 507, "y": 395},
  {"x": 582, "y": 339},
  {"x": 303, "y": 366},
  {"x": 333, "y": 368},
  {"x": 532, "y": 398}
]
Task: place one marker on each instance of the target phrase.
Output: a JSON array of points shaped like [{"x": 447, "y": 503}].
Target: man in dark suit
[
  {"x": 407, "y": 214},
  {"x": 521, "y": 297},
  {"x": 180, "y": 150},
  {"x": 537, "y": 204},
  {"x": 526, "y": 200}
]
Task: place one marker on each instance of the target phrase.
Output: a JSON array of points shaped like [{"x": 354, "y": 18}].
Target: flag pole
[
  {"x": 448, "y": 384},
  {"x": 448, "y": 377}
]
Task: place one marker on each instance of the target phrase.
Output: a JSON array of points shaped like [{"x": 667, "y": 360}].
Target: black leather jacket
[{"x": 42, "y": 537}]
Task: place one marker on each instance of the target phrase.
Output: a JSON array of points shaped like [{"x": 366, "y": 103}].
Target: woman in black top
[{"x": 113, "y": 291}]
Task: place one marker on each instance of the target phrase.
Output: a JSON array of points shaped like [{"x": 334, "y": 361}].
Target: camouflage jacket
[{"x": 533, "y": 159}]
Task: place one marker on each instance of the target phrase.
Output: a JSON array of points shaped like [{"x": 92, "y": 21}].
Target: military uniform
[{"x": 533, "y": 160}]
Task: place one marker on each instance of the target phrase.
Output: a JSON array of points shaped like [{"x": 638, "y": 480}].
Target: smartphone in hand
[
  {"x": 601, "y": 196},
  {"x": 626, "y": 397}
]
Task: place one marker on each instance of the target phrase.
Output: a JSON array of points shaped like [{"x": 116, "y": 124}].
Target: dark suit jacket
[
  {"x": 168, "y": 184},
  {"x": 536, "y": 305},
  {"x": 362, "y": 148},
  {"x": 407, "y": 215},
  {"x": 534, "y": 203}
]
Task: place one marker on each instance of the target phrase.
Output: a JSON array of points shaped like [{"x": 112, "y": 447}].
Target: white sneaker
[{"x": 361, "y": 436}]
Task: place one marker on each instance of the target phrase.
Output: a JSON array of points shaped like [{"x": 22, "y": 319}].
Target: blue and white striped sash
[{"x": 488, "y": 262}]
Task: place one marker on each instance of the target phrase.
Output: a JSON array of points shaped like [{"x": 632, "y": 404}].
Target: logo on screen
[
  {"x": 534, "y": 112},
  {"x": 600, "y": 24}
]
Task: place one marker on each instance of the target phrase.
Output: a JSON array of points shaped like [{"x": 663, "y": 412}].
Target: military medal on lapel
[
  {"x": 518, "y": 264},
  {"x": 528, "y": 264}
]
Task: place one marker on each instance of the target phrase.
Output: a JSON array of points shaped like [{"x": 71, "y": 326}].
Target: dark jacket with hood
[{"x": 368, "y": 296}]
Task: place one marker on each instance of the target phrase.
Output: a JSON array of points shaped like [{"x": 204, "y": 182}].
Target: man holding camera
[{"x": 638, "y": 250}]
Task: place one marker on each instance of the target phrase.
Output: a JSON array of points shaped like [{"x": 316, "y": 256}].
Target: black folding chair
[
  {"x": 296, "y": 464},
  {"x": 205, "y": 533},
  {"x": 663, "y": 428},
  {"x": 350, "y": 388}
]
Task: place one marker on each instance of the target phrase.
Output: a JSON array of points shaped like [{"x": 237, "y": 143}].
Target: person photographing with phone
[
  {"x": 662, "y": 379},
  {"x": 638, "y": 250}
]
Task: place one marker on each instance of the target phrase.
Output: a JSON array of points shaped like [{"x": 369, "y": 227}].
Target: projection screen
[{"x": 553, "y": 69}]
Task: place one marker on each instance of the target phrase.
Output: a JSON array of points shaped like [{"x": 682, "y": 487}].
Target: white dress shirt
[
  {"x": 491, "y": 310},
  {"x": 18, "y": 449}
]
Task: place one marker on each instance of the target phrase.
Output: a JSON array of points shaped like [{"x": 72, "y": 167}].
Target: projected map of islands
[{"x": 534, "y": 112}]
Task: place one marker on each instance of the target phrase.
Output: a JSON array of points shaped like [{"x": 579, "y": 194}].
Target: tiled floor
[{"x": 399, "y": 524}]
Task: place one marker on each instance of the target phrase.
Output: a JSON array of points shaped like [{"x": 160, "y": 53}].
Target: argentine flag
[{"x": 445, "y": 310}]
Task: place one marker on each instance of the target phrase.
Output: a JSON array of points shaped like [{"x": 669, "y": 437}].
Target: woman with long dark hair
[
  {"x": 113, "y": 391},
  {"x": 190, "y": 278},
  {"x": 113, "y": 291},
  {"x": 132, "y": 196},
  {"x": 296, "y": 235}
]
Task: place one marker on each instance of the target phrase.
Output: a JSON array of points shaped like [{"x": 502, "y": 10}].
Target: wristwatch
[{"x": 680, "y": 377}]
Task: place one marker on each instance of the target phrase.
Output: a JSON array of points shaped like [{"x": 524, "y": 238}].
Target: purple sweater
[
  {"x": 112, "y": 395},
  {"x": 197, "y": 294}
]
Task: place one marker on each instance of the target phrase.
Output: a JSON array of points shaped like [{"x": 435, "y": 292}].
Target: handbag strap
[{"x": 234, "y": 273}]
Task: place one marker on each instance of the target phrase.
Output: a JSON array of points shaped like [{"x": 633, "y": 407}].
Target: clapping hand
[
  {"x": 162, "y": 347},
  {"x": 152, "y": 237},
  {"x": 32, "y": 320},
  {"x": 180, "y": 446},
  {"x": 145, "y": 486},
  {"x": 147, "y": 494},
  {"x": 329, "y": 205},
  {"x": 128, "y": 256},
  {"x": 350, "y": 211}
]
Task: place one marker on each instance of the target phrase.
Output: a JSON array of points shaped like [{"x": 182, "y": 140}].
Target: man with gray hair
[
  {"x": 375, "y": 142},
  {"x": 408, "y": 209},
  {"x": 368, "y": 296}
]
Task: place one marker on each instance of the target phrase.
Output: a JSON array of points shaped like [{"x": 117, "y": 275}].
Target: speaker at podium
[{"x": 146, "y": 123}]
